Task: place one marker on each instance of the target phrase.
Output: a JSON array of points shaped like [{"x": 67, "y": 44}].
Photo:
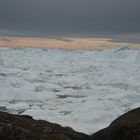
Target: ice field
[{"x": 85, "y": 90}]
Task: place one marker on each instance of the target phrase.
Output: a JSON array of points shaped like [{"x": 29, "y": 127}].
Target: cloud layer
[{"x": 71, "y": 15}]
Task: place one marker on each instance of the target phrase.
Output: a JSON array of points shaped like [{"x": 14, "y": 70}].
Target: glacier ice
[{"x": 82, "y": 89}]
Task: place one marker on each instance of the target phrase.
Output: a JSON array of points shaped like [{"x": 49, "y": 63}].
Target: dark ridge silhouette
[{"x": 16, "y": 127}]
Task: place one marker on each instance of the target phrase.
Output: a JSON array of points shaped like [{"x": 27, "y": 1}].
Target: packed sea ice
[{"x": 85, "y": 90}]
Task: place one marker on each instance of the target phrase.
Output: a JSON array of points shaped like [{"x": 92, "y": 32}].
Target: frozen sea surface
[{"x": 82, "y": 89}]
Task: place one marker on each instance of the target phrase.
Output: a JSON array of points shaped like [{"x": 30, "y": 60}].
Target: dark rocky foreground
[
  {"x": 126, "y": 127},
  {"x": 15, "y": 127}
]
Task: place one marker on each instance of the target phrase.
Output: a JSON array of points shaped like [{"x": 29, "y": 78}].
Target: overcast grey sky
[{"x": 70, "y": 15}]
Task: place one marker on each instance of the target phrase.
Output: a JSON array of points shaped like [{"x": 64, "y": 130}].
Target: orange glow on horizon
[{"x": 66, "y": 43}]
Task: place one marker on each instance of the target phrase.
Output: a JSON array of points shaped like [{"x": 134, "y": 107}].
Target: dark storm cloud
[{"x": 71, "y": 15}]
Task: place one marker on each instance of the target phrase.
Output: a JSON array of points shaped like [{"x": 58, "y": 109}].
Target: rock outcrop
[
  {"x": 126, "y": 127},
  {"x": 15, "y": 127}
]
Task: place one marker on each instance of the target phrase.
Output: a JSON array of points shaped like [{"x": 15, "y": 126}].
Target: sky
[{"x": 70, "y": 16}]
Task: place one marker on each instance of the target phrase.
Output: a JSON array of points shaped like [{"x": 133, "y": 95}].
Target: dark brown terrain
[{"x": 15, "y": 127}]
